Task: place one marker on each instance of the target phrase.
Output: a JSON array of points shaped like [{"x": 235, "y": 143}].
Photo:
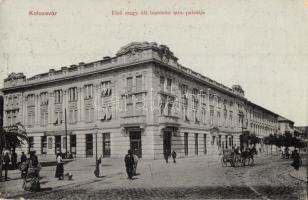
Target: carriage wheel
[{"x": 239, "y": 162}]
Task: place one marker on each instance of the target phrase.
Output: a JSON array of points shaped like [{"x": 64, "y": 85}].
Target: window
[
  {"x": 31, "y": 144},
  {"x": 89, "y": 145},
  {"x": 162, "y": 83},
  {"x": 203, "y": 99},
  {"x": 15, "y": 100},
  {"x": 58, "y": 96},
  {"x": 218, "y": 119},
  {"x": 169, "y": 82},
  {"x": 73, "y": 94},
  {"x": 30, "y": 100},
  {"x": 73, "y": 144},
  {"x": 184, "y": 89},
  {"x": 195, "y": 108},
  {"x": 196, "y": 143},
  {"x": 129, "y": 105},
  {"x": 89, "y": 114},
  {"x": 139, "y": 83},
  {"x": 88, "y": 91},
  {"x": 225, "y": 123},
  {"x": 106, "y": 88},
  {"x": 43, "y": 144},
  {"x": 31, "y": 117},
  {"x": 129, "y": 84},
  {"x": 73, "y": 115},
  {"x": 203, "y": 113},
  {"x": 219, "y": 102},
  {"x": 231, "y": 118},
  {"x": 204, "y": 142},
  {"x": 106, "y": 145},
  {"x": 44, "y": 98},
  {"x": 211, "y": 115},
  {"x": 186, "y": 143},
  {"x": 58, "y": 118},
  {"x": 44, "y": 118}
]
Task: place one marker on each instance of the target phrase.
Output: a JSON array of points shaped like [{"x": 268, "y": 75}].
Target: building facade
[
  {"x": 285, "y": 125},
  {"x": 142, "y": 99}
]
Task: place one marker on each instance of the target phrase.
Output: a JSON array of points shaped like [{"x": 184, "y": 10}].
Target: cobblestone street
[{"x": 191, "y": 178}]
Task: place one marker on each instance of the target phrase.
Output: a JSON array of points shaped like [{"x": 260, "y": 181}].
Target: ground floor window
[
  {"x": 73, "y": 144},
  {"x": 43, "y": 144},
  {"x": 196, "y": 143},
  {"x": 89, "y": 145},
  {"x": 31, "y": 144},
  {"x": 106, "y": 145},
  {"x": 135, "y": 142},
  {"x": 186, "y": 143},
  {"x": 57, "y": 144},
  {"x": 167, "y": 143}
]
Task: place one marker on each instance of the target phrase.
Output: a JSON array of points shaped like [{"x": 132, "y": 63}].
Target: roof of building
[{"x": 283, "y": 119}]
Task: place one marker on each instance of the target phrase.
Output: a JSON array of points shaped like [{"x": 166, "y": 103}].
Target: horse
[{"x": 247, "y": 156}]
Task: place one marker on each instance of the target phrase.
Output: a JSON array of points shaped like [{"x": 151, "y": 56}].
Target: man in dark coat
[
  {"x": 23, "y": 157},
  {"x": 296, "y": 160},
  {"x": 6, "y": 160},
  {"x": 173, "y": 156},
  {"x": 14, "y": 159},
  {"x": 129, "y": 164}
]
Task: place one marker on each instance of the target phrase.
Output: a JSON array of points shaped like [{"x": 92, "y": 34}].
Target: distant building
[
  {"x": 302, "y": 132},
  {"x": 285, "y": 125},
  {"x": 142, "y": 99}
]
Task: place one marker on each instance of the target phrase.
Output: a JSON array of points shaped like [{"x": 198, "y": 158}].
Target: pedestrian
[
  {"x": 296, "y": 160},
  {"x": 23, "y": 157},
  {"x": 60, "y": 167},
  {"x": 14, "y": 159},
  {"x": 6, "y": 165},
  {"x": 129, "y": 163},
  {"x": 32, "y": 181},
  {"x": 166, "y": 155},
  {"x": 23, "y": 165},
  {"x": 173, "y": 156}
]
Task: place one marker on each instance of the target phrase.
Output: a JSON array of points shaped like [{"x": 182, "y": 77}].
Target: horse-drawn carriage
[
  {"x": 235, "y": 159},
  {"x": 229, "y": 156}
]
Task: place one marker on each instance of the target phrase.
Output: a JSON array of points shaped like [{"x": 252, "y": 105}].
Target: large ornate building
[{"x": 142, "y": 98}]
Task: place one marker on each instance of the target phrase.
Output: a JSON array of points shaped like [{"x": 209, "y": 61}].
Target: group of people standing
[{"x": 10, "y": 162}]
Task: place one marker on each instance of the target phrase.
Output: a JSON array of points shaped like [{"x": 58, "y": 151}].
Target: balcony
[
  {"x": 133, "y": 120},
  {"x": 168, "y": 120}
]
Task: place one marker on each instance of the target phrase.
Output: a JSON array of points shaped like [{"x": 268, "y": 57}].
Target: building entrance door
[
  {"x": 167, "y": 142},
  {"x": 135, "y": 142},
  {"x": 57, "y": 144}
]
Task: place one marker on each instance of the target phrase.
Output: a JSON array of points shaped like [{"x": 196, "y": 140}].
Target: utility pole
[{"x": 65, "y": 127}]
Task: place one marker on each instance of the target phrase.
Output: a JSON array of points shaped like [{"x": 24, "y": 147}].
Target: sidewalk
[{"x": 82, "y": 170}]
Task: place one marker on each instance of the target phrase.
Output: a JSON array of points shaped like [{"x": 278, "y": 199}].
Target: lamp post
[{"x": 96, "y": 130}]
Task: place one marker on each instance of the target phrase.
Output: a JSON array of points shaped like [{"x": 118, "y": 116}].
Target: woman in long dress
[
  {"x": 60, "y": 168},
  {"x": 31, "y": 180}
]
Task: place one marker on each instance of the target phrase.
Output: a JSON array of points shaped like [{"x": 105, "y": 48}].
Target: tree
[{"x": 11, "y": 137}]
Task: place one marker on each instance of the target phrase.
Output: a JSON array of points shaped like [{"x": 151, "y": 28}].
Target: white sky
[{"x": 260, "y": 44}]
